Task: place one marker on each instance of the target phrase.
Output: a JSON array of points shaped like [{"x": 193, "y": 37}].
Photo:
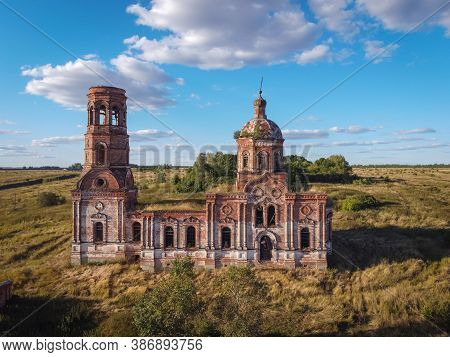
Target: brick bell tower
[
  {"x": 260, "y": 147},
  {"x": 106, "y": 190}
]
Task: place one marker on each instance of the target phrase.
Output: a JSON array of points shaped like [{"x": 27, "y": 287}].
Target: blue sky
[{"x": 195, "y": 65}]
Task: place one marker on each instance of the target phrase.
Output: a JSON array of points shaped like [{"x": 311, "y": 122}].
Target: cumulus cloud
[
  {"x": 222, "y": 34},
  {"x": 313, "y": 55},
  {"x": 416, "y": 131},
  {"x": 56, "y": 140},
  {"x": 375, "y": 48},
  {"x": 67, "y": 84},
  {"x": 403, "y": 15},
  {"x": 304, "y": 134},
  {"x": 336, "y": 16}
]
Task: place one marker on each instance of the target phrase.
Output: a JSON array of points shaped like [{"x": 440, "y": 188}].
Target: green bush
[
  {"x": 47, "y": 199},
  {"x": 359, "y": 202},
  {"x": 238, "y": 308},
  {"x": 171, "y": 307}
]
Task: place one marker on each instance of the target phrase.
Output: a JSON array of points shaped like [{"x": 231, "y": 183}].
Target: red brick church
[{"x": 260, "y": 223}]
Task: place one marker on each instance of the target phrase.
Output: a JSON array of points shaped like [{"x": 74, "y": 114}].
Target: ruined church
[{"x": 259, "y": 223}]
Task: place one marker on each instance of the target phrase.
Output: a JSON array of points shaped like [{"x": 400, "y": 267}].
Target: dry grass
[{"x": 389, "y": 275}]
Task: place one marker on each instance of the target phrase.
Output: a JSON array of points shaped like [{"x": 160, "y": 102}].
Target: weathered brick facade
[{"x": 262, "y": 223}]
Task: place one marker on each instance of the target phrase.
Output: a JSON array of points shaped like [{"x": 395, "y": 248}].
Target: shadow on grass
[
  {"x": 60, "y": 317},
  {"x": 364, "y": 247}
]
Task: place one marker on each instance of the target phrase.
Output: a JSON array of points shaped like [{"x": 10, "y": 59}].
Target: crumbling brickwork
[{"x": 262, "y": 223}]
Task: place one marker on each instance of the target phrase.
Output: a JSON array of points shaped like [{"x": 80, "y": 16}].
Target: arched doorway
[{"x": 265, "y": 249}]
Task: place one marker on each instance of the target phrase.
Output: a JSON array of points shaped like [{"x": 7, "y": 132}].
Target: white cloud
[
  {"x": 150, "y": 134},
  {"x": 419, "y": 147},
  {"x": 336, "y": 16},
  {"x": 352, "y": 129},
  {"x": 405, "y": 14},
  {"x": 13, "y": 148},
  {"x": 222, "y": 34},
  {"x": 14, "y": 132},
  {"x": 416, "y": 131},
  {"x": 7, "y": 122},
  {"x": 313, "y": 55},
  {"x": 304, "y": 133},
  {"x": 56, "y": 140},
  {"x": 362, "y": 143},
  {"x": 67, "y": 84},
  {"x": 377, "y": 48}
]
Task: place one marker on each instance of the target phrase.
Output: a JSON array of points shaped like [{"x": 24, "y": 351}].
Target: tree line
[{"x": 212, "y": 169}]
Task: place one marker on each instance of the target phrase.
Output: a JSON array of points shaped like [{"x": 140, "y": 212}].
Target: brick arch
[{"x": 88, "y": 181}]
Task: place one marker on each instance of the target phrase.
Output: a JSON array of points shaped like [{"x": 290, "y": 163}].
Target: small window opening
[{"x": 226, "y": 238}]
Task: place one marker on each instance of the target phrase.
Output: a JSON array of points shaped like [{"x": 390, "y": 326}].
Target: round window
[{"x": 100, "y": 182}]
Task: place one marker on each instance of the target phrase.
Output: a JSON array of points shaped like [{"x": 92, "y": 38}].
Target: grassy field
[{"x": 389, "y": 273}]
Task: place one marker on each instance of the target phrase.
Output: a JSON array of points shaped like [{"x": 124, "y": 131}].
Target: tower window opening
[
  {"x": 91, "y": 116},
  {"x": 168, "y": 237},
  {"x": 245, "y": 159},
  {"x": 115, "y": 114},
  {"x": 102, "y": 115},
  {"x": 277, "y": 163},
  {"x": 271, "y": 216},
  {"x": 226, "y": 237},
  {"x": 190, "y": 237},
  {"x": 259, "y": 216},
  {"x": 98, "y": 232},
  {"x": 136, "y": 232},
  {"x": 101, "y": 155},
  {"x": 262, "y": 161},
  {"x": 304, "y": 238}
]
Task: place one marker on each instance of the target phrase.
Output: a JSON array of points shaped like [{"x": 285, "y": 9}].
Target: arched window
[
  {"x": 277, "y": 161},
  {"x": 226, "y": 237},
  {"x": 304, "y": 238},
  {"x": 102, "y": 115},
  {"x": 168, "y": 237},
  {"x": 101, "y": 154},
  {"x": 190, "y": 237},
  {"x": 136, "y": 232},
  {"x": 259, "y": 216},
  {"x": 98, "y": 232},
  {"x": 91, "y": 116},
  {"x": 245, "y": 159},
  {"x": 262, "y": 161},
  {"x": 271, "y": 216},
  {"x": 115, "y": 114}
]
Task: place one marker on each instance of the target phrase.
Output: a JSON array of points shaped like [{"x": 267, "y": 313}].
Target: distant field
[
  {"x": 13, "y": 176},
  {"x": 389, "y": 274}
]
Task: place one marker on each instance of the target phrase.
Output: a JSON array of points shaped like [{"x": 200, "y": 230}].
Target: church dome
[{"x": 259, "y": 127}]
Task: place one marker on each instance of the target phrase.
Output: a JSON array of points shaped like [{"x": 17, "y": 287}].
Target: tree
[
  {"x": 171, "y": 307},
  {"x": 46, "y": 199},
  {"x": 75, "y": 167},
  {"x": 238, "y": 308}
]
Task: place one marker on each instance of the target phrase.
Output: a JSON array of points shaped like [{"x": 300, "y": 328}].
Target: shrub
[
  {"x": 47, "y": 199},
  {"x": 171, "y": 307},
  {"x": 238, "y": 309},
  {"x": 359, "y": 202}
]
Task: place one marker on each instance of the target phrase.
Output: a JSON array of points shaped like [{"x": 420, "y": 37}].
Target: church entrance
[{"x": 265, "y": 249}]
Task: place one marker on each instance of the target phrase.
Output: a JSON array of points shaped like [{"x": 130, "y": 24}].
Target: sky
[{"x": 369, "y": 80}]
